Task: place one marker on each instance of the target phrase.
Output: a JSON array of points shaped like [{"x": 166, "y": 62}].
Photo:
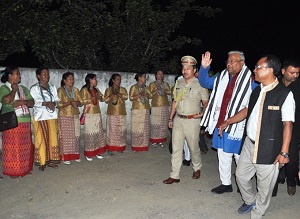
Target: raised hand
[{"x": 206, "y": 60}]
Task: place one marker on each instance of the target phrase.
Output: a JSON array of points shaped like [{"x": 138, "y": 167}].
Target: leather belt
[
  {"x": 185, "y": 117},
  {"x": 252, "y": 141}
]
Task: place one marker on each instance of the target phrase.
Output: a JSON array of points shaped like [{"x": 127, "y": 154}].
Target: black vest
[{"x": 271, "y": 127}]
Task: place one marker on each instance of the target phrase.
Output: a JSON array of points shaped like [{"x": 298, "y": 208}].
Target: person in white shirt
[
  {"x": 45, "y": 121},
  {"x": 269, "y": 115}
]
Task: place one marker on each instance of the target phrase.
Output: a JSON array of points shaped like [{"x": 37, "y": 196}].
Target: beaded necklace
[
  {"x": 143, "y": 100},
  {"x": 44, "y": 99},
  {"x": 160, "y": 92},
  {"x": 68, "y": 94}
]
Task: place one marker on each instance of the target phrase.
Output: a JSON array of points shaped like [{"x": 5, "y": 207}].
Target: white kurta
[{"x": 41, "y": 95}]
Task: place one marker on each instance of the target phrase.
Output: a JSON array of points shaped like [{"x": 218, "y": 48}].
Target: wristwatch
[{"x": 286, "y": 155}]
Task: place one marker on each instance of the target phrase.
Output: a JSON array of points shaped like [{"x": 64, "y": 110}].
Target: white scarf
[{"x": 239, "y": 99}]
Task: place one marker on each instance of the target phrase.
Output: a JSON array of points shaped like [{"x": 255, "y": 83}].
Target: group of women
[{"x": 56, "y": 119}]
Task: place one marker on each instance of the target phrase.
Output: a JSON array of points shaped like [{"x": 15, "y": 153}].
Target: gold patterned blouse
[
  {"x": 141, "y": 102},
  {"x": 116, "y": 104},
  {"x": 66, "y": 96},
  {"x": 87, "y": 99},
  {"x": 160, "y": 97}
]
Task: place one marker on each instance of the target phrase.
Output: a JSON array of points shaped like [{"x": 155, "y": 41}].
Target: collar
[{"x": 269, "y": 86}]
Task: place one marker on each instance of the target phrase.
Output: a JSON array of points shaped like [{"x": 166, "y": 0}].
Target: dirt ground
[{"x": 126, "y": 186}]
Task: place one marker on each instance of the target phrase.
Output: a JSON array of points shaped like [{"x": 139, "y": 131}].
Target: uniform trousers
[
  {"x": 185, "y": 129},
  {"x": 266, "y": 175}
]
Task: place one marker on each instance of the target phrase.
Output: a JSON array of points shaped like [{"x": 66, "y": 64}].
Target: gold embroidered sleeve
[
  {"x": 132, "y": 92},
  {"x": 167, "y": 89},
  {"x": 124, "y": 93},
  {"x": 152, "y": 87},
  {"x": 67, "y": 110},
  {"x": 86, "y": 96},
  {"x": 117, "y": 107},
  {"x": 137, "y": 103},
  {"x": 77, "y": 95},
  {"x": 107, "y": 94},
  {"x": 87, "y": 99}
]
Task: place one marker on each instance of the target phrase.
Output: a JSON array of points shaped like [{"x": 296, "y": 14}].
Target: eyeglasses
[
  {"x": 259, "y": 67},
  {"x": 232, "y": 61}
]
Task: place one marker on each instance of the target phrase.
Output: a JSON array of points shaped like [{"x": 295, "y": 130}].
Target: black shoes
[
  {"x": 222, "y": 188},
  {"x": 186, "y": 162},
  {"x": 291, "y": 190}
]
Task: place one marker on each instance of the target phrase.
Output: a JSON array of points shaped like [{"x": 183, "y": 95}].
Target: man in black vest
[
  {"x": 269, "y": 122},
  {"x": 289, "y": 77}
]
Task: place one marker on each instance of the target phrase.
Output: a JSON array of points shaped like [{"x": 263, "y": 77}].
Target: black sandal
[
  {"x": 42, "y": 168},
  {"x": 52, "y": 165}
]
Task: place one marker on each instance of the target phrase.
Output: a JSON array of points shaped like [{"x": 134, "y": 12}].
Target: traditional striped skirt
[
  {"x": 69, "y": 137},
  {"x": 46, "y": 142},
  {"x": 94, "y": 143},
  {"x": 140, "y": 129},
  {"x": 159, "y": 124},
  {"x": 116, "y": 132},
  {"x": 17, "y": 150}
]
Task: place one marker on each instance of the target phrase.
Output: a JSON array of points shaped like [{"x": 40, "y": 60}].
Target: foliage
[{"x": 119, "y": 35}]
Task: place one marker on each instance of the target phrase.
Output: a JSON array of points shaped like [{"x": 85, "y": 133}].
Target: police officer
[{"x": 185, "y": 119}]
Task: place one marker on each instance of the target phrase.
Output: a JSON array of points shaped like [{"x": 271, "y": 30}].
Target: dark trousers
[
  {"x": 290, "y": 170},
  {"x": 202, "y": 143}
]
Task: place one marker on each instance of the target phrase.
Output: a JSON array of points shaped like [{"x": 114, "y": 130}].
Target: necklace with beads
[
  {"x": 43, "y": 96},
  {"x": 68, "y": 94},
  {"x": 143, "y": 100}
]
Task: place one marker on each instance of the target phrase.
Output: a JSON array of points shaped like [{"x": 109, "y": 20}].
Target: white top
[
  {"x": 41, "y": 95},
  {"x": 287, "y": 112}
]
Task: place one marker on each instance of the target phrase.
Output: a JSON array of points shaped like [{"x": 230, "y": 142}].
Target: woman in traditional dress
[
  {"x": 68, "y": 119},
  {"x": 159, "y": 109},
  {"x": 94, "y": 144},
  {"x": 115, "y": 97},
  {"x": 139, "y": 94},
  {"x": 17, "y": 147},
  {"x": 45, "y": 121}
]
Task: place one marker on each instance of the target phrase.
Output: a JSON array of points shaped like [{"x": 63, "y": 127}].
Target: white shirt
[
  {"x": 287, "y": 112},
  {"x": 41, "y": 95}
]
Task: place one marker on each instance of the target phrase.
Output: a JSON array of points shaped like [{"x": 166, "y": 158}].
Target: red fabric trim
[
  {"x": 69, "y": 157},
  {"x": 115, "y": 148},
  {"x": 101, "y": 150},
  {"x": 144, "y": 148},
  {"x": 161, "y": 140}
]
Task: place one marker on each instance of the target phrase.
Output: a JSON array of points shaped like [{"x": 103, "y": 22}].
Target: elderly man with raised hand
[{"x": 231, "y": 90}]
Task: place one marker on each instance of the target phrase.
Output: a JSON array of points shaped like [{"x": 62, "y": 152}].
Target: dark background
[{"x": 254, "y": 27}]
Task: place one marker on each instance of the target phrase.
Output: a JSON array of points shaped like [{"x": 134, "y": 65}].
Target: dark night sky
[{"x": 255, "y": 27}]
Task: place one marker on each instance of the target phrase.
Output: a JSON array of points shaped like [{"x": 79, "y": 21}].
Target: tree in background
[{"x": 118, "y": 35}]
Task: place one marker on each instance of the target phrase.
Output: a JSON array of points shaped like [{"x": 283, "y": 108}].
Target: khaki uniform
[{"x": 187, "y": 98}]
